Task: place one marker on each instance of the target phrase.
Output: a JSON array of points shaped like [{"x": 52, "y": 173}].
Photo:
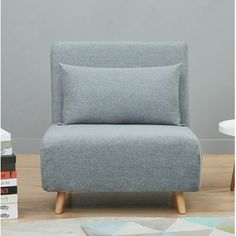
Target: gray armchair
[{"x": 123, "y": 136}]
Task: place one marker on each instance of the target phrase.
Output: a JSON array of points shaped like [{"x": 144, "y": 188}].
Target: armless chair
[{"x": 120, "y": 121}]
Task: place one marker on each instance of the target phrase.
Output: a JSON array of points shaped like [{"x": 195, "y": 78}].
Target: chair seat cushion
[{"x": 120, "y": 158}]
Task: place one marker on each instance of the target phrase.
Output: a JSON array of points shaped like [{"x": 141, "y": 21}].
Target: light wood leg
[
  {"x": 232, "y": 180},
  {"x": 180, "y": 202},
  {"x": 60, "y": 202}
]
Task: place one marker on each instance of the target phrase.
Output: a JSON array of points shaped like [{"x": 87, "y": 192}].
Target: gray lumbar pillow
[{"x": 146, "y": 95}]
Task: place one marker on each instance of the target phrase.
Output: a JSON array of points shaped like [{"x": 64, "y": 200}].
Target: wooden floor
[{"x": 214, "y": 198}]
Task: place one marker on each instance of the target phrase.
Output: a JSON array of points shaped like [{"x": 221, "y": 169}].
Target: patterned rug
[{"x": 184, "y": 226}]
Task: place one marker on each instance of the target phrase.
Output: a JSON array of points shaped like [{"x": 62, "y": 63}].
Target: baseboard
[{"x": 209, "y": 146}]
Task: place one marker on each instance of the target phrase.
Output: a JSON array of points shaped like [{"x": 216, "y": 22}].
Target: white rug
[{"x": 184, "y": 226}]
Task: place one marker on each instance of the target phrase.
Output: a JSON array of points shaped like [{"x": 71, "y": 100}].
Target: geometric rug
[
  {"x": 123, "y": 226},
  {"x": 162, "y": 226}
]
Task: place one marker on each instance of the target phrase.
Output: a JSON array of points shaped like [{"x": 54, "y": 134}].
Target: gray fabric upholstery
[
  {"x": 118, "y": 54},
  {"x": 120, "y": 158},
  {"x": 93, "y": 95},
  {"x": 116, "y": 157}
]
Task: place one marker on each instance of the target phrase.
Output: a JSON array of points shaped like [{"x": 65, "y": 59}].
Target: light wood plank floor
[{"x": 214, "y": 198}]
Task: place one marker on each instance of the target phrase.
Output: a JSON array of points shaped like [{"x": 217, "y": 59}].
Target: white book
[
  {"x": 9, "y": 198},
  {"x": 5, "y": 136},
  {"x": 6, "y": 151},
  {"x": 8, "y": 182},
  {"x": 9, "y": 211}
]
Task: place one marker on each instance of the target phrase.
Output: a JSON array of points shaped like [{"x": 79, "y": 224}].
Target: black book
[
  {"x": 8, "y": 167},
  {"x": 8, "y": 159},
  {"x": 8, "y": 190}
]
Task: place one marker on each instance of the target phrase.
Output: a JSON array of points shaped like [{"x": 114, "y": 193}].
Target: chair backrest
[{"x": 118, "y": 54}]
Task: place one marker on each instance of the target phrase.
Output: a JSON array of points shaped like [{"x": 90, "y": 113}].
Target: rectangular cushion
[
  {"x": 120, "y": 95},
  {"x": 119, "y": 55}
]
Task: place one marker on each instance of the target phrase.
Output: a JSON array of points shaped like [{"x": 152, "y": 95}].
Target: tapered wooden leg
[
  {"x": 180, "y": 202},
  {"x": 60, "y": 202},
  {"x": 232, "y": 180}
]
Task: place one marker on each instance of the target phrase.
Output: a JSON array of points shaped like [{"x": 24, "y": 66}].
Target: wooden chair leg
[
  {"x": 232, "y": 180},
  {"x": 180, "y": 202},
  {"x": 60, "y": 202}
]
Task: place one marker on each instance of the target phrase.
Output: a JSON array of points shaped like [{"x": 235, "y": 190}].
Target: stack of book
[{"x": 9, "y": 208}]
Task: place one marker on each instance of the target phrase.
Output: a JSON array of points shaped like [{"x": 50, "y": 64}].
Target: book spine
[
  {"x": 9, "y": 211},
  {"x": 8, "y": 182},
  {"x": 8, "y": 190},
  {"x": 8, "y": 174},
  {"x": 5, "y": 144},
  {"x": 8, "y": 167},
  {"x": 10, "y": 198},
  {"x": 7, "y": 159},
  {"x": 6, "y": 152}
]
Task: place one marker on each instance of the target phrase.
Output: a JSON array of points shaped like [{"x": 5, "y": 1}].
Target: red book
[{"x": 8, "y": 174}]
